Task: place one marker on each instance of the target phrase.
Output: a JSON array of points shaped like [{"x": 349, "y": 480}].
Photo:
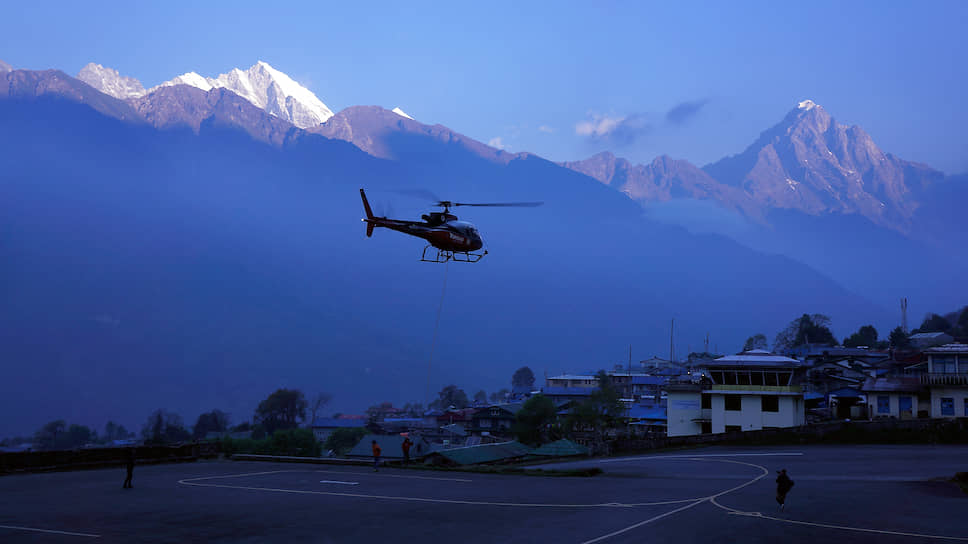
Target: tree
[
  {"x": 342, "y": 440},
  {"x": 865, "y": 336},
  {"x": 296, "y": 442},
  {"x": 51, "y": 435},
  {"x": 450, "y": 396},
  {"x": 283, "y": 409},
  {"x": 522, "y": 378},
  {"x": 499, "y": 396},
  {"x": 319, "y": 402},
  {"x": 215, "y": 421},
  {"x": 115, "y": 431},
  {"x": 757, "y": 341},
  {"x": 934, "y": 323},
  {"x": 899, "y": 339},
  {"x": 602, "y": 408},
  {"x": 534, "y": 419},
  {"x": 164, "y": 427},
  {"x": 480, "y": 397},
  {"x": 806, "y": 329},
  {"x": 78, "y": 435}
]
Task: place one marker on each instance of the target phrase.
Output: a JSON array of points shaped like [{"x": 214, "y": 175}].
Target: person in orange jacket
[
  {"x": 405, "y": 446},
  {"x": 376, "y": 456}
]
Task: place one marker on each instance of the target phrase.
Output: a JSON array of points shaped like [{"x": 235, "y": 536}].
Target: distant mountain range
[
  {"x": 807, "y": 162},
  {"x": 194, "y": 240}
]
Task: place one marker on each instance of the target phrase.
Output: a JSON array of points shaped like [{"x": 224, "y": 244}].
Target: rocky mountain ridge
[{"x": 807, "y": 162}]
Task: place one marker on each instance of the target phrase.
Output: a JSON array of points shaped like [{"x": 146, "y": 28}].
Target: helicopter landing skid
[{"x": 443, "y": 255}]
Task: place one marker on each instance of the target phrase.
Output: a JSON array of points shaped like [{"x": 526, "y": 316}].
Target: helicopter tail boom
[{"x": 369, "y": 215}]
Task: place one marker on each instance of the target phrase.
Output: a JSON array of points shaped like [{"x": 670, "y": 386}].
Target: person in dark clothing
[
  {"x": 130, "y": 466},
  {"x": 783, "y": 486},
  {"x": 376, "y": 456},
  {"x": 406, "y": 450}
]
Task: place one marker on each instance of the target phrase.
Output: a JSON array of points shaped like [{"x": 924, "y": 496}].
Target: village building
[
  {"x": 749, "y": 391},
  {"x": 947, "y": 380},
  {"x": 900, "y": 397},
  {"x": 323, "y": 427}
]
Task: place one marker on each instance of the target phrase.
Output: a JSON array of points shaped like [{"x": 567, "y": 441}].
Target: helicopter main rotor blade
[
  {"x": 423, "y": 194},
  {"x": 500, "y": 204}
]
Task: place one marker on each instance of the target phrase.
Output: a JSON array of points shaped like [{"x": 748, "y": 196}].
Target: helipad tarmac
[{"x": 880, "y": 494}]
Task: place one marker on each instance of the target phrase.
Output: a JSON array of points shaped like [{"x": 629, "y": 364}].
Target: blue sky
[{"x": 694, "y": 80}]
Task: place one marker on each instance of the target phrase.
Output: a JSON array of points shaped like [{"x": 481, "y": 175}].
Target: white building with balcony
[
  {"x": 749, "y": 391},
  {"x": 947, "y": 380}
]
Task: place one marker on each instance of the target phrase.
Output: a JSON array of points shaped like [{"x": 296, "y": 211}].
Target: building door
[{"x": 904, "y": 407}]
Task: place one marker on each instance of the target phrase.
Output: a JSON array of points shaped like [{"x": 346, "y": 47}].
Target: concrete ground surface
[{"x": 882, "y": 494}]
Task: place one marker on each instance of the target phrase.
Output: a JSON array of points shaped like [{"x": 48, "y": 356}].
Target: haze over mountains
[{"x": 193, "y": 248}]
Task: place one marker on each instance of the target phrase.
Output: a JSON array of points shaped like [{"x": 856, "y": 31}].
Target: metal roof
[
  {"x": 927, "y": 335},
  {"x": 754, "y": 358},
  {"x": 655, "y": 413},
  {"x": 896, "y": 384},
  {"x": 948, "y": 348},
  {"x": 485, "y": 453},
  {"x": 568, "y": 391},
  {"x": 572, "y": 377},
  {"x": 334, "y": 423}
]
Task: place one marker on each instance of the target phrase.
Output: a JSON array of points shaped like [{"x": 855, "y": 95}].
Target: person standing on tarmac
[
  {"x": 405, "y": 446},
  {"x": 130, "y": 467},
  {"x": 783, "y": 486},
  {"x": 376, "y": 456}
]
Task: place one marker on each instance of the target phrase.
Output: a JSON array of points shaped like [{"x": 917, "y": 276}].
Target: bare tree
[{"x": 319, "y": 402}]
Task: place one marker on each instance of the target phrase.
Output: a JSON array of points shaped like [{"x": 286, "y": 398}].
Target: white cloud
[
  {"x": 546, "y": 128},
  {"x": 620, "y": 130},
  {"x": 497, "y": 143}
]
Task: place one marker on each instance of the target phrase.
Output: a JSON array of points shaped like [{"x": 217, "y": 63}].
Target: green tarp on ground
[
  {"x": 485, "y": 453},
  {"x": 560, "y": 448}
]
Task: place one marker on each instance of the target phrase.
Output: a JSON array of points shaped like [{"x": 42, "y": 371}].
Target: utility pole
[
  {"x": 628, "y": 407},
  {"x": 672, "y": 341}
]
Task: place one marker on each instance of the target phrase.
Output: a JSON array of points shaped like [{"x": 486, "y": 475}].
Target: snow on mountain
[
  {"x": 4, "y": 67},
  {"x": 267, "y": 88},
  {"x": 110, "y": 82},
  {"x": 401, "y": 113}
]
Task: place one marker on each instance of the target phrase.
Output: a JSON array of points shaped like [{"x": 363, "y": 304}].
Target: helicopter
[{"x": 452, "y": 239}]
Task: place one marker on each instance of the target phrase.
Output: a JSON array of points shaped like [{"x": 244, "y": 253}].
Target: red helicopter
[{"x": 454, "y": 240}]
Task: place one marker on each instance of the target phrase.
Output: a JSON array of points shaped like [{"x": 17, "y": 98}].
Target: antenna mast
[
  {"x": 904, "y": 315},
  {"x": 672, "y": 341}
]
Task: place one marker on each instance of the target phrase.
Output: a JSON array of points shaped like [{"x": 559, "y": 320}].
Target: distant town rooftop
[
  {"x": 754, "y": 358},
  {"x": 948, "y": 348}
]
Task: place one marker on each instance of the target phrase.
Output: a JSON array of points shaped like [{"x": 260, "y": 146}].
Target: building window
[
  {"x": 883, "y": 404},
  {"x": 707, "y": 402},
  {"x": 756, "y": 378},
  {"x": 707, "y": 427},
  {"x": 770, "y": 403},
  {"x": 947, "y": 406},
  {"x": 742, "y": 378},
  {"x": 944, "y": 364},
  {"x": 734, "y": 403},
  {"x": 769, "y": 379}
]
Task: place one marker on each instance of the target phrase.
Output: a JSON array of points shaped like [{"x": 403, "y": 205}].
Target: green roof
[
  {"x": 561, "y": 448},
  {"x": 485, "y": 453}
]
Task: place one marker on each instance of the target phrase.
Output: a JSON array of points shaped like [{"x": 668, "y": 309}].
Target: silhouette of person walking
[
  {"x": 130, "y": 467},
  {"x": 783, "y": 486}
]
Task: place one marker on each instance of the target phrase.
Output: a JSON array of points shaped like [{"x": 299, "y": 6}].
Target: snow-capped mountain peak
[
  {"x": 807, "y": 105},
  {"x": 401, "y": 113},
  {"x": 269, "y": 89},
  {"x": 110, "y": 82}
]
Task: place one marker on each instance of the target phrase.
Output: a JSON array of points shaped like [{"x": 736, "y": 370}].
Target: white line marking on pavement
[
  {"x": 382, "y": 475},
  {"x": 338, "y": 482},
  {"x": 824, "y": 525},
  {"x": 690, "y": 457},
  {"x": 641, "y": 523},
  {"x": 195, "y": 482},
  {"x": 51, "y": 531}
]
